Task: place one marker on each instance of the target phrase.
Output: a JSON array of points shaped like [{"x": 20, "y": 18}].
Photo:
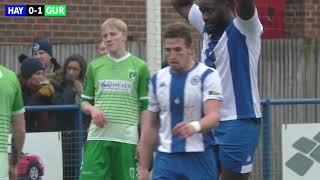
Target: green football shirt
[
  {"x": 120, "y": 89},
  {"x": 11, "y": 103}
]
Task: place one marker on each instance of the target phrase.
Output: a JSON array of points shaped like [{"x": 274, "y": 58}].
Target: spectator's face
[
  {"x": 36, "y": 78},
  {"x": 114, "y": 39},
  {"x": 213, "y": 14},
  {"x": 74, "y": 69},
  {"x": 44, "y": 58},
  {"x": 103, "y": 49},
  {"x": 178, "y": 54}
]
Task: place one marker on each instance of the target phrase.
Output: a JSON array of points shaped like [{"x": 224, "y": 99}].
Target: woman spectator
[
  {"x": 35, "y": 92},
  {"x": 68, "y": 85}
]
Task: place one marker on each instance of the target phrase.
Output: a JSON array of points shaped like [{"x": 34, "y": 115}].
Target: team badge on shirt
[
  {"x": 1, "y": 74},
  {"x": 132, "y": 74},
  {"x": 195, "y": 80}
]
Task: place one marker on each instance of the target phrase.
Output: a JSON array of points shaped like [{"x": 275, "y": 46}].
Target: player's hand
[
  {"x": 144, "y": 174},
  {"x": 12, "y": 172},
  {"x": 184, "y": 130},
  {"x": 98, "y": 117}
]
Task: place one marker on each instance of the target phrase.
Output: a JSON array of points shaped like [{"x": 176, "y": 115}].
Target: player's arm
[
  {"x": 17, "y": 126},
  {"x": 87, "y": 99},
  {"x": 144, "y": 77},
  {"x": 148, "y": 141},
  {"x": 18, "y": 136},
  {"x": 96, "y": 114},
  {"x": 212, "y": 98},
  {"x": 245, "y": 8},
  {"x": 149, "y": 131},
  {"x": 212, "y": 114},
  {"x": 182, "y": 7}
]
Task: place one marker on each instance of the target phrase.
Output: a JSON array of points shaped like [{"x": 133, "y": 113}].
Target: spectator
[
  {"x": 42, "y": 50},
  {"x": 102, "y": 49},
  {"x": 68, "y": 84},
  {"x": 35, "y": 92}
]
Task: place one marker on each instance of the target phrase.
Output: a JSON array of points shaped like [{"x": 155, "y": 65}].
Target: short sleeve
[
  {"x": 250, "y": 27},
  {"x": 195, "y": 18},
  {"x": 17, "y": 106},
  {"x": 144, "y": 76},
  {"x": 154, "y": 105},
  {"x": 212, "y": 88}
]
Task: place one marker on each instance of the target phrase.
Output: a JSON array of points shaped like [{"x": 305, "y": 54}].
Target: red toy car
[{"x": 30, "y": 167}]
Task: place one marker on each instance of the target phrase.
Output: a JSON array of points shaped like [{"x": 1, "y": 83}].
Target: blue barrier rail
[
  {"x": 267, "y": 124},
  {"x": 73, "y": 107},
  {"x": 78, "y": 126}
]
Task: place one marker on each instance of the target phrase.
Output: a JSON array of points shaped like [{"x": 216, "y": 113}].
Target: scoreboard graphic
[{"x": 36, "y": 10}]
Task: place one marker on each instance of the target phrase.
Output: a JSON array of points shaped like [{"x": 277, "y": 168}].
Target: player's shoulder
[
  {"x": 98, "y": 61},
  {"x": 205, "y": 69},
  {"x": 162, "y": 73},
  {"x": 137, "y": 61},
  {"x": 7, "y": 72}
]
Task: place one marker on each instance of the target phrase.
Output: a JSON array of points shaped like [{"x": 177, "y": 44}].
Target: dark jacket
[
  {"x": 65, "y": 93},
  {"x": 36, "y": 121}
]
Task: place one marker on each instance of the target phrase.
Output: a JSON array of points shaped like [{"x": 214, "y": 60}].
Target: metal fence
[
  {"x": 272, "y": 152},
  {"x": 72, "y": 141}
]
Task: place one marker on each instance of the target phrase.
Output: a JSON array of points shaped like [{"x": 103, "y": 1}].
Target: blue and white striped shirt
[
  {"x": 180, "y": 97},
  {"x": 235, "y": 56}
]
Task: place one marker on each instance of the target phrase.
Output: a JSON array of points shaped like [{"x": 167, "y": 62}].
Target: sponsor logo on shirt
[{"x": 115, "y": 85}]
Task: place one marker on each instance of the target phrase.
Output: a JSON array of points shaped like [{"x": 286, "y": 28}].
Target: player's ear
[
  {"x": 125, "y": 36},
  {"x": 191, "y": 48}
]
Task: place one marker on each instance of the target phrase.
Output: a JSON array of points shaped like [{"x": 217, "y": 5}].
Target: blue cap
[{"x": 42, "y": 45}]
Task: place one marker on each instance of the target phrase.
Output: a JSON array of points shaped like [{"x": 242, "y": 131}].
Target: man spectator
[{"x": 42, "y": 50}]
